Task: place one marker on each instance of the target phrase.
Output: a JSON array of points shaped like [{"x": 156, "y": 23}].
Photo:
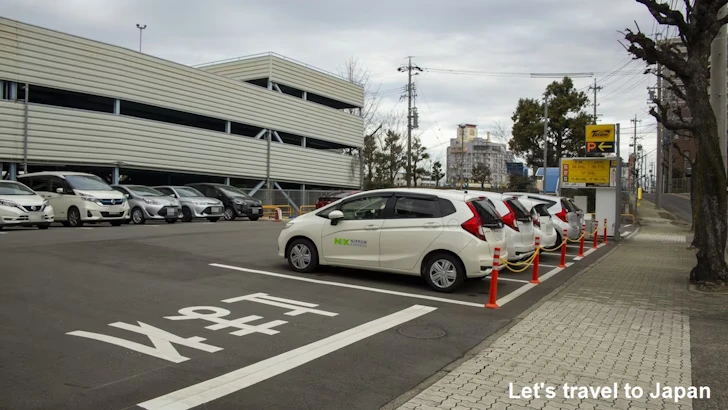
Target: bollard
[
  {"x": 605, "y": 230},
  {"x": 581, "y": 243},
  {"x": 596, "y": 236},
  {"x": 534, "y": 277},
  {"x": 563, "y": 250},
  {"x": 279, "y": 214},
  {"x": 494, "y": 281}
]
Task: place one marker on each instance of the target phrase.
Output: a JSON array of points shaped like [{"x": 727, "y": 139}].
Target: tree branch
[
  {"x": 665, "y": 15},
  {"x": 670, "y": 125},
  {"x": 676, "y": 88},
  {"x": 644, "y": 48},
  {"x": 682, "y": 153}
]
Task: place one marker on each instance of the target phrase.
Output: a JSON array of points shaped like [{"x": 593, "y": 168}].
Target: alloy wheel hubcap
[
  {"x": 443, "y": 273},
  {"x": 228, "y": 214},
  {"x": 300, "y": 256},
  {"x": 137, "y": 216}
]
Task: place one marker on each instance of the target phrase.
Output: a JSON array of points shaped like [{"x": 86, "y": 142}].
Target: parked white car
[
  {"x": 543, "y": 224},
  {"x": 78, "y": 197},
  {"x": 520, "y": 236},
  {"x": 443, "y": 236},
  {"x": 20, "y": 206},
  {"x": 565, "y": 212}
]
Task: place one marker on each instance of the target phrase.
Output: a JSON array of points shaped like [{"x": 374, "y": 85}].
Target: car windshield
[
  {"x": 87, "y": 183},
  {"x": 233, "y": 192},
  {"x": 12, "y": 188},
  {"x": 187, "y": 192},
  {"x": 144, "y": 191}
]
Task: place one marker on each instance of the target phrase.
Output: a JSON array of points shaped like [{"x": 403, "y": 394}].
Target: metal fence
[
  {"x": 680, "y": 185},
  {"x": 299, "y": 197}
]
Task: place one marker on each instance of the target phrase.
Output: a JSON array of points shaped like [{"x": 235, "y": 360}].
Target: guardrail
[
  {"x": 269, "y": 211},
  {"x": 304, "y": 209}
]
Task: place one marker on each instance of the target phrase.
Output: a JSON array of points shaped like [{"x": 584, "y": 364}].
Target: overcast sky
[{"x": 519, "y": 36}]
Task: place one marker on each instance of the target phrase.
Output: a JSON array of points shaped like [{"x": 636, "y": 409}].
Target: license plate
[
  {"x": 172, "y": 211},
  {"x": 258, "y": 210},
  {"x": 216, "y": 210},
  {"x": 36, "y": 217},
  {"x": 499, "y": 236}
]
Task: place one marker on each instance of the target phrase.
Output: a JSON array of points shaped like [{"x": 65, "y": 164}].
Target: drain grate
[{"x": 422, "y": 332}]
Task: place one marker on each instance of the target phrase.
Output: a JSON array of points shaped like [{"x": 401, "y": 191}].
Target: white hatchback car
[
  {"x": 443, "y": 236},
  {"x": 20, "y": 206},
  {"x": 520, "y": 237},
  {"x": 567, "y": 215},
  {"x": 543, "y": 224}
]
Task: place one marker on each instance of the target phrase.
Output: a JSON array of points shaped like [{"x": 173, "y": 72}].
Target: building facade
[
  {"x": 265, "y": 123},
  {"x": 464, "y": 154}
]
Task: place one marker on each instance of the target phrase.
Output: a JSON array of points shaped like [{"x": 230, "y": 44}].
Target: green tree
[
  {"x": 567, "y": 120},
  {"x": 690, "y": 80},
  {"x": 419, "y": 156},
  {"x": 437, "y": 173},
  {"x": 392, "y": 158},
  {"x": 521, "y": 183},
  {"x": 481, "y": 173}
]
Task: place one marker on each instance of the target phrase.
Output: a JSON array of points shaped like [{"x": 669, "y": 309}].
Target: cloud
[{"x": 520, "y": 36}]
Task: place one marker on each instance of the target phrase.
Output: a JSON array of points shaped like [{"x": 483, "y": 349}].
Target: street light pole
[
  {"x": 545, "y": 139},
  {"x": 140, "y": 27}
]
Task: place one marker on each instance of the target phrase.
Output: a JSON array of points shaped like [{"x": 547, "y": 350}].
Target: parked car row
[
  {"x": 445, "y": 236},
  {"x": 74, "y": 198}
]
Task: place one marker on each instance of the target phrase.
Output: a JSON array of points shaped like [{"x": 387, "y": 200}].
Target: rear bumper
[{"x": 477, "y": 257}]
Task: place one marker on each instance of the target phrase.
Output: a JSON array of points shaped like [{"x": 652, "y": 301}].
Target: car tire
[
  {"x": 74, "y": 217},
  {"x": 229, "y": 214},
  {"x": 171, "y": 221},
  {"x": 213, "y": 219},
  {"x": 186, "y": 214},
  {"x": 302, "y": 255},
  {"x": 443, "y": 272},
  {"x": 42, "y": 226},
  {"x": 116, "y": 223},
  {"x": 254, "y": 218},
  {"x": 137, "y": 216}
]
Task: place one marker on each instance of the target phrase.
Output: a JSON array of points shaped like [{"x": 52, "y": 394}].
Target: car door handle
[
  {"x": 431, "y": 225},
  {"x": 371, "y": 227}
]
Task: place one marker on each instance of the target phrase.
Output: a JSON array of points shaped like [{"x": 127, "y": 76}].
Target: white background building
[{"x": 464, "y": 154}]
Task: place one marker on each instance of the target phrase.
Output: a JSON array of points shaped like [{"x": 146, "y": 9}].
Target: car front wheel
[
  {"x": 443, "y": 272},
  {"x": 302, "y": 256},
  {"x": 229, "y": 214}
]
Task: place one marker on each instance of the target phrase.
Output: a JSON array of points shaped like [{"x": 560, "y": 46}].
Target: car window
[
  {"x": 365, "y": 208},
  {"x": 406, "y": 207},
  {"x": 87, "y": 183},
  {"x": 573, "y": 205},
  {"x": 518, "y": 208},
  {"x": 567, "y": 205},
  {"x": 55, "y": 183},
  {"x": 188, "y": 192},
  {"x": 37, "y": 184},
  {"x": 542, "y": 210},
  {"x": 120, "y": 189},
  {"x": 487, "y": 212},
  {"x": 500, "y": 206},
  {"x": 165, "y": 191},
  {"x": 12, "y": 188},
  {"x": 446, "y": 207},
  {"x": 139, "y": 190}
]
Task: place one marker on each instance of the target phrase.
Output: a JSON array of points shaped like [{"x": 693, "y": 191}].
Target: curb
[{"x": 407, "y": 396}]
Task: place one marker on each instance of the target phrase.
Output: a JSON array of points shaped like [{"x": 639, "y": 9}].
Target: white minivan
[
  {"x": 20, "y": 206},
  {"x": 443, "y": 236},
  {"x": 78, "y": 197}
]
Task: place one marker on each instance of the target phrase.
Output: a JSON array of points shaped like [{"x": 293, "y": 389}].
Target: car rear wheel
[
  {"x": 186, "y": 215},
  {"x": 443, "y": 272},
  {"x": 302, "y": 256}
]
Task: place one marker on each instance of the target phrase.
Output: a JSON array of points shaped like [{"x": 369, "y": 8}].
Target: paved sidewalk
[{"x": 625, "y": 320}]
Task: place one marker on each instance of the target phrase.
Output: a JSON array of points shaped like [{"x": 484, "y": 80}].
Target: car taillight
[
  {"x": 510, "y": 218},
  {"x": 536, "y": 221},
  {"x": 562, "y": 215},
  {"x": 474, "y": 225}
]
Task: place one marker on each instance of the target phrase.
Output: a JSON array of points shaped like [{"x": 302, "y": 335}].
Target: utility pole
[
  {"x": 545, "y": 139},
  {"x": 140, "y": 27},
  {"x": 670, "y": 140},
  {"x": 658, "y": 192},
  {"x": 409, "y": 68},
  {"x": 595, "y": 88},
  {"x": 718, "y": 86},
  {"x": 634, "y": 161}
]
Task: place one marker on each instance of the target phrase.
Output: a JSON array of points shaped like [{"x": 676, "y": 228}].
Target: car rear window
[
  {"x": 518, "y": 208},
  {"x": 542, "y": 210},
  {"x": 567, "y": 205},
  {"x": 573, "y": 205},
  {"x": 486, "y": 211}
]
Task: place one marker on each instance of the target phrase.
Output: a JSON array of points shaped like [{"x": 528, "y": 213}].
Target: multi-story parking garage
[{"x": 265, "y": 123}]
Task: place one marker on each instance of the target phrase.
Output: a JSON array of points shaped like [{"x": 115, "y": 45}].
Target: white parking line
[
  {"x": 586, "y": 253},
  {"x": 525, "y": 288},
  {"x": 627, "y": 226},
  {"x": 3, "y": 233},
  {"x": 346, "y": 285},
  {"x": 236, "y": 380},
  {"x": 626, "y": 234}
]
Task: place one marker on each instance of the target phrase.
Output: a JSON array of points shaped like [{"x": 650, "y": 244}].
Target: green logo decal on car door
[{"x": 350, "y": 242}]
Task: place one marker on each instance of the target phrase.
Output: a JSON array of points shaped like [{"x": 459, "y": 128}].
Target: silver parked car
[
  {"x": 194, "y": 204},
  {"x": 148, "y": 203}
]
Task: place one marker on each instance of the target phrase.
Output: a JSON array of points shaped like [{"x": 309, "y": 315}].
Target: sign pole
[{"x": 618, "y": 188}]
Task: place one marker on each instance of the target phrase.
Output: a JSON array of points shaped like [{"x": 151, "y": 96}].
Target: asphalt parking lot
[{"x": 177, "y": 316}]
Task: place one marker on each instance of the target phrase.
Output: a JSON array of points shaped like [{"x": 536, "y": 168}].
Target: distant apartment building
[{"x": 468, "y": 150}]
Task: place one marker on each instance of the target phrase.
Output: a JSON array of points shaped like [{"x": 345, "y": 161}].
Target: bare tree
[{"x": 697, "y": 27}]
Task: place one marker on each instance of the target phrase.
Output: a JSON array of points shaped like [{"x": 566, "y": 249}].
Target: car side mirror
[
  {"x": 128, "y": 196},
  {"x": 59, "y": 190},
  {"x": 335, "y": 217}
]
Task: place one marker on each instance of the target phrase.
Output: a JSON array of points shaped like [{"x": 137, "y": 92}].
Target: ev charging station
[{"x": 601, "y": 173}]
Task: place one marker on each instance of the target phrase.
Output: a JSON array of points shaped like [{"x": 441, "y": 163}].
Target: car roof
[
  {"x": 540, "y": 196},
  {"x": 441, "y": 193},
  {"x": 54, "y": 173}
]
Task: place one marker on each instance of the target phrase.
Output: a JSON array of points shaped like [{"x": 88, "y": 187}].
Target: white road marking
[
  {"x": 627, "y": 226},
  {"x": 297, "y": 308},
  {"x": 236, "y": 380},
  {"x": 500, "y": 278},
  {"x": 346, "y": 285},
  {"x": 85, "y": 227},
  {"x": 545, "y": 265},
  {"x": 525, "y": 288},
  {"x": 626, "y": 234}
]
